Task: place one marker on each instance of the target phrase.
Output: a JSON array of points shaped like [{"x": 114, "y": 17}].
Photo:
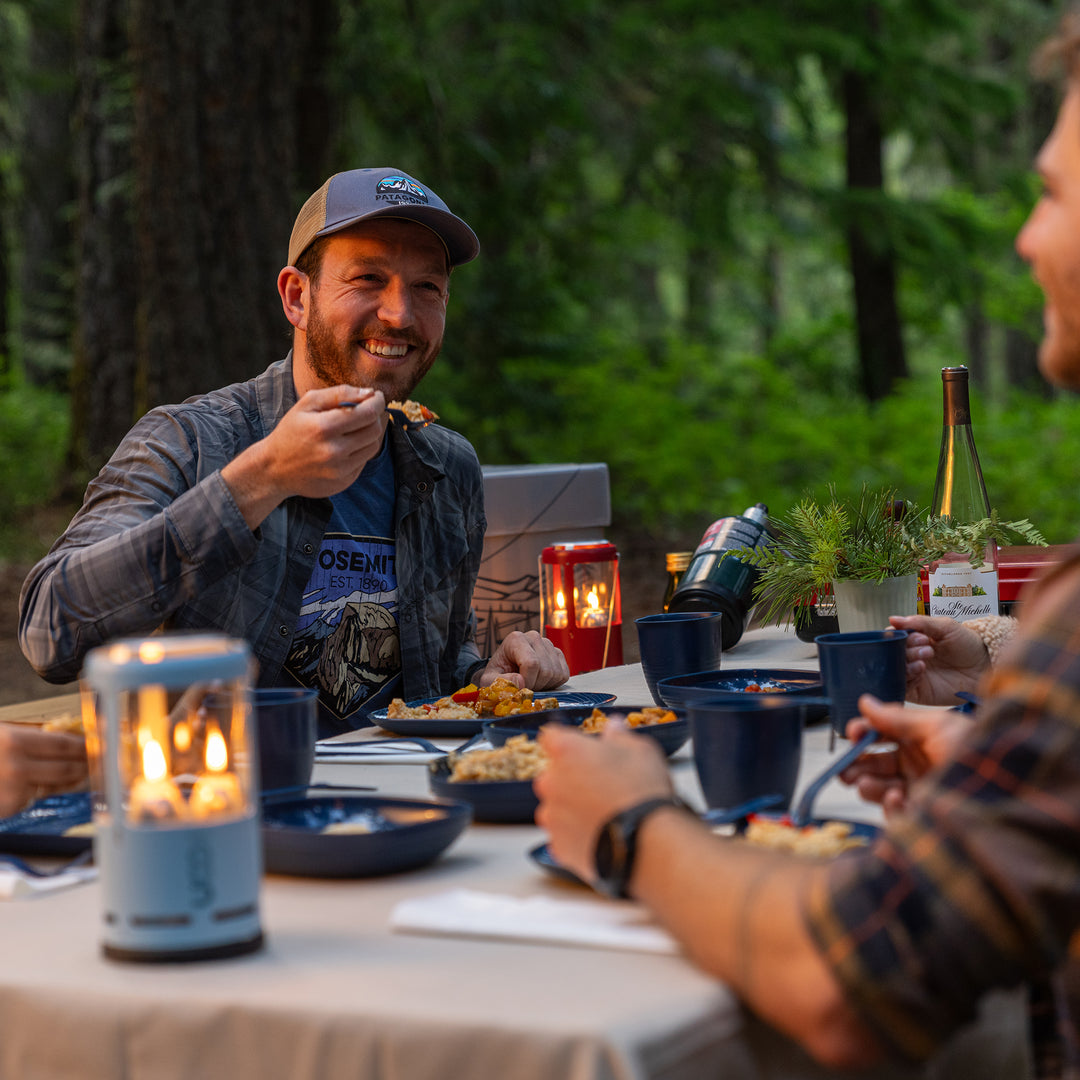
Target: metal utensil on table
[
  {"x": 733, "y": 815},
  {"x": 800, "y": 816},
  {"x": 358, "y": 746}
]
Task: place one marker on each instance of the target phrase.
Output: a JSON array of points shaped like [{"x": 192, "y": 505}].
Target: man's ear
[{"x": 292, "y": 286}]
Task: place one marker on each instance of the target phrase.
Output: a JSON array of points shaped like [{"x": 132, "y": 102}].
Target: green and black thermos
[{"x": 714, "y": 583}]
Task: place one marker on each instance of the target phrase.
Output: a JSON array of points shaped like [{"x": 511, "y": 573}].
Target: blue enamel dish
[
  {"x": 679, "y": 691},
  {"x": 541, "y": 855},
  {"x": 510, "y": 802},
  {"x": 670, "y": 737},
  {"x": 456, "y": 729},
  {"x": 391, "y": 834},
  {"x": 40, "y": 829}
]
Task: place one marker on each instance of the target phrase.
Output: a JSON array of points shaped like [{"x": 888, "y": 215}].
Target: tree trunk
[
  {"x": 45, "y": 321},
  {"x": 103, "y": 396},
  {"x": 877, "y": 318},
  {"x": 215, "y": 155}
]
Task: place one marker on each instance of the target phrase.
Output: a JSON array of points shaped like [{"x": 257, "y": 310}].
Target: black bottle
[{"x": 713, "y": 583}]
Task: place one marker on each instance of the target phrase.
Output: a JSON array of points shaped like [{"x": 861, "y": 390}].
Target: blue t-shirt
[{"x": 346, "y": 641}]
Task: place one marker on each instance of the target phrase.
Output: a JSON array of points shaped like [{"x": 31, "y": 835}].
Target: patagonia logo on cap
[{"x": 399, "y": 189}]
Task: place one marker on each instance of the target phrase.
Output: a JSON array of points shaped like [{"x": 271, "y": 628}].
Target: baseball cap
[{"x": 359, "y": 194}]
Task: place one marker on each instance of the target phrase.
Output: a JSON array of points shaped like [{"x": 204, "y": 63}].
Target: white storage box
[{"x": 529, "y": 508}]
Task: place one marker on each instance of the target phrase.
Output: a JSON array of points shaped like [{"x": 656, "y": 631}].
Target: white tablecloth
[{"x": 336, "y": 994}]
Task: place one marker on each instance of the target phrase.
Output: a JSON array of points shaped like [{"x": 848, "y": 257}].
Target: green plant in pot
[{"x": 876, "y": 539}]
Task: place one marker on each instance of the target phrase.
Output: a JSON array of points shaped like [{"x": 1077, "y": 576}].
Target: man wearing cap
[{"x": 288, "y": 510}]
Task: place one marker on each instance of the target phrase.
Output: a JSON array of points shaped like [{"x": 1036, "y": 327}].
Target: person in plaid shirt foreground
[{"x": 975, "y": 881}]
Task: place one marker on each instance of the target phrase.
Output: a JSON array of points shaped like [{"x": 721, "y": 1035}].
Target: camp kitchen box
[{"x": 529, "y": 508}]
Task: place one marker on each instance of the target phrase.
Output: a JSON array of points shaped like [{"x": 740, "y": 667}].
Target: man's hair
[
  {"x": 1060, "y": 54},
  {"x": 310, "y": 261}
]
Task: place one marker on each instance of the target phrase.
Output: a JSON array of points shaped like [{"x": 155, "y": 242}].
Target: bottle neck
[{"x": 954, "y": 383}]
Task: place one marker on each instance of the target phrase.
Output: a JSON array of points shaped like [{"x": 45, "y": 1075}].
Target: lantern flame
[
  {"x": 153, "y": 760},
  {"x": 560, "y": 600},
  {"x": 593, "y": 600},
  {"x": 182, "y": 736},
  {"x": 217, "y": 753}
]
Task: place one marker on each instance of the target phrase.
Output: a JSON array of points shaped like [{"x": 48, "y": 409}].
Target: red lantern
[{"x": 580, "y": 603}]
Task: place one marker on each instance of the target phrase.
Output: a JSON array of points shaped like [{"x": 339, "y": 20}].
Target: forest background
[{"x": 726, "y": 251}]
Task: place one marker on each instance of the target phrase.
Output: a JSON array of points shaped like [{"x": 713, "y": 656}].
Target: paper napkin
[
  {"x": 17, "y": 885},
  {"x": 599, "y": 923}
]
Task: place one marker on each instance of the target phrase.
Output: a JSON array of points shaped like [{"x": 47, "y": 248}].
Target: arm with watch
[{"x": 610, "y": 810}]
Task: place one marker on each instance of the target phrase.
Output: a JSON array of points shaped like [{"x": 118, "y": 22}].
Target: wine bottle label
[{"x": 961, "y": 591}]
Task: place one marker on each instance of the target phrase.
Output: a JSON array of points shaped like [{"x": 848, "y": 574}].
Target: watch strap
[{"x": 616, "y": 846}]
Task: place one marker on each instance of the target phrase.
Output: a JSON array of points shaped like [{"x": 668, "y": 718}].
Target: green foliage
[
  {"x": 869, "y": 538},
  {"x": 33, "y": 435}
]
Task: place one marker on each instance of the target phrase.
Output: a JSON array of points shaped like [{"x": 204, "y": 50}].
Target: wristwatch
[{"x": 617, "y": 844}]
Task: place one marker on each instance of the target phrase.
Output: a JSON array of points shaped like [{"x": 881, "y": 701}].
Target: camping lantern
[
  {"x": 172, "y": 767},
  {"x": 580, "y": 604}
]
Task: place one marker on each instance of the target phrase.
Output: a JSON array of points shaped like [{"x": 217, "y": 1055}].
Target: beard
[{"x": 336, "y": 363}]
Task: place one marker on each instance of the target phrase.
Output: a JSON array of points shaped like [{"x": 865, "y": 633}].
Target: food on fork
[{"x": 414, "y": 412}]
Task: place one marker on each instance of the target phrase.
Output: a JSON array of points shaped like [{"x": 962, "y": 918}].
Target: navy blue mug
[
  {"x": 678, "y": 643},
  {"x": 861, "y": 662},
  {"x": 749, "y": 747},
  {"x": 286, "y": 725}
]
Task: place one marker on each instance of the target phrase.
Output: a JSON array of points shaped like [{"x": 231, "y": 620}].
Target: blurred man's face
[{"x": 1050, "y": 242}]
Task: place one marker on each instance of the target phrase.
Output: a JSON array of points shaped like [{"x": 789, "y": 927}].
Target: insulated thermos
[{"x": 714, "y": 583}]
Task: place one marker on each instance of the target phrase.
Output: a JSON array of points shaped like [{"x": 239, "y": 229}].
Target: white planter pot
[{"x": 867, "y": 605}]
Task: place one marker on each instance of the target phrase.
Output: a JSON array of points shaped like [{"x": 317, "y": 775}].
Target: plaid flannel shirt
[
  {"x": 979, "y": 885},
  {"x": 159, "y": 543}
]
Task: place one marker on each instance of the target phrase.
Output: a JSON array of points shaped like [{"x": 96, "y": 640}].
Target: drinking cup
[
  {"x": 749, "y": 747},
  {"x": 862, "y": 662},
  {"x": 678, "y": 643},
  {"x": 286, "y": 722}
]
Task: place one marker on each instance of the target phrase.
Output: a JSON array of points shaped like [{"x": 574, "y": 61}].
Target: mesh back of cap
[{"x": 309, "y": 221}]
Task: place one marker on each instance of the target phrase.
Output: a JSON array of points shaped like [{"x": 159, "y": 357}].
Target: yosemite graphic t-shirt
[{"x": 346, "y": 641}]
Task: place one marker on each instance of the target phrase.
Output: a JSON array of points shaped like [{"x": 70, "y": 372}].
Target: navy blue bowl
[
  {"x": 503, "y": 801},
  {"x": 670, "y": 737},
  {"x": 403, "y": 834},
  {"x": 681, "y": 691},
  {"x": 40, "y": 829}
]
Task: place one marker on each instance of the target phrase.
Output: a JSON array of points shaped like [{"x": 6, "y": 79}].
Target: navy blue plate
[
  {"x": 504, "y": 801},
  {"x": 543, "y": 858},
  {"x": 670, "y": 736},
  {"x": 678, "y": 691},
  {"x": 456, "y": 729},
  {"x": 402, "y": 834},
  {"x": 39, "y": 829}
]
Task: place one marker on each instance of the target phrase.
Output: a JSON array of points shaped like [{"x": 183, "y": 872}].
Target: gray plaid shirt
[{"x": 159, "y": 543}]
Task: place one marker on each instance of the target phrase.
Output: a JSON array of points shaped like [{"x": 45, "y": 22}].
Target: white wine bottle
[{"x": 958, "y": 588}]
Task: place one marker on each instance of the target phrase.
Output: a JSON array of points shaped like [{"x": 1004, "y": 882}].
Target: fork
[
  {"x": 359, "y": 745},
  {"x": 800, "y": 816},
  {"x": 397, "y": 415}
]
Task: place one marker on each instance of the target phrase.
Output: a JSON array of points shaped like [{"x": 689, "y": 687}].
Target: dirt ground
[{"x": 641, "y": 575}]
